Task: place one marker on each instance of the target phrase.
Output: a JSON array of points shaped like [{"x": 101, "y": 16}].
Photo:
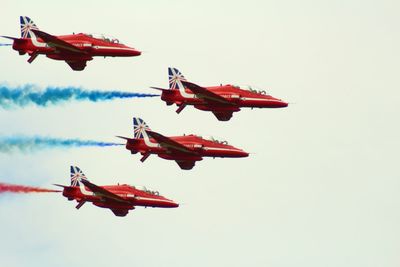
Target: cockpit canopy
[
  {"x": 103, "y": 37},
  {"x": 147, "y": 190},
  {"x": 250, "y": 88},
  {"x": 210, "y": 138},
  {"x": 215, "y": 140}
]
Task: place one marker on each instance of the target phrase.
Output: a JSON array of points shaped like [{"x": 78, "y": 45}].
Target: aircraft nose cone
[
  {"x": 243, "y": 154},
  {"x": 168, "y": 203},
  {"x": 279, "y": 103},
  {"x": 132, "y": 51},
  {"x": 172, "y": 204},
  {"x": 135, "y": 52},
  {"x": 240, "y": 154}
]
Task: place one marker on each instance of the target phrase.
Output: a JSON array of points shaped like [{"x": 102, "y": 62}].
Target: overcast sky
[{"x": 320, "y": 187}]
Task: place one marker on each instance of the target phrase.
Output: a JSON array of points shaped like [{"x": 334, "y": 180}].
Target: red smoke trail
[{"x": 12, "y": 188}]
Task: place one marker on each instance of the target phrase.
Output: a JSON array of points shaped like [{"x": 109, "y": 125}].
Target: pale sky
[{"x": 320, "y": 187}]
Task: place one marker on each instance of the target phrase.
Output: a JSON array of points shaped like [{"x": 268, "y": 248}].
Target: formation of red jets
[{"x": 186, "y": 150}]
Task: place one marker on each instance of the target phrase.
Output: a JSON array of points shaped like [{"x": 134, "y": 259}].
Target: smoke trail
[
  {"x": 29, "y": 144},
  {"x": 12, "y": 188},
  {"x": 31, "y": 95}
]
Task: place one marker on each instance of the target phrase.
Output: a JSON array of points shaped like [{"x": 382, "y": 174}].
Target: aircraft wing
[
  {"x": 170, "y": 144},
  {"x": 205, "y": 94},
  {"x": 98, "y": 191},
  {"x": 57, "y": 43}
]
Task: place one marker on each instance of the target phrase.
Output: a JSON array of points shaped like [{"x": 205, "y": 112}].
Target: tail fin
[
  {"x": 140, "y": 128},
  {"x": 175, "y": 78},
  {"x": 76, "y": 176},
  {"x": 27, "y": 25}
]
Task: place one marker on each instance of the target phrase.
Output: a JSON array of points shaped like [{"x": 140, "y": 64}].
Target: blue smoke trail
[
  {"x": 30, "y": 94},
  {"x": 34, "y": 143}
]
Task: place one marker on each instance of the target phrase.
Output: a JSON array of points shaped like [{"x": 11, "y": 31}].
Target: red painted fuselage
[
  {"x": 75, "y": 49},
  {"x": 92, "y": 46},
  {"x": 132, "y": 196},
  {"x": 221, "y": 100},
  {"x": 238, "y": 97},
  {"x": 197, "y": 148}
]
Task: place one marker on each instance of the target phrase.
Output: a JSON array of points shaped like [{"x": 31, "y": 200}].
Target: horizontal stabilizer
[
  {"x": 158, "y": 88},
  {"x": 9, "y": 37},
  {"x": 60, "y": 185},
  {"x": 125, "y": 138}
]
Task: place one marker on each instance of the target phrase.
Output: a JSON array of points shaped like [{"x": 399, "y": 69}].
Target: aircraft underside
[
  {"x": 185, "y": 165},
  {"x": 120, "y": 213},
  {"x": 118, "y": 210},
  {"x": 223, "y": 113},
  {"x": 77, "y": 65},
  {"x": 185, "y": 162}
]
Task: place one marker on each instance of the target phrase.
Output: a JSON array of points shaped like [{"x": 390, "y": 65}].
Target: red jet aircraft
[
  {"x": 185, "y": 150},
  {"x": 221, "y": 100},
  {"x": 75, "y": 49},
  {"x": 120, "y": 199}
]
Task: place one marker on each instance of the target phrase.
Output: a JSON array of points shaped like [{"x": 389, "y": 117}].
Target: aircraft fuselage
[
  {"x": 201, "y": 148},
  {"x": 134, "y": 197},
  {"x": 92, "y": 46},
  {"x": 238, "y": 97}
]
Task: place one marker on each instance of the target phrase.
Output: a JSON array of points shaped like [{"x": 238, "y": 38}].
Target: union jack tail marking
[
  {"x": 139, "y": 128},
  {"x": 26, "y": 26},
  {"x": 76, "y": 176},
  {"x": 175, "y": 78}
]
